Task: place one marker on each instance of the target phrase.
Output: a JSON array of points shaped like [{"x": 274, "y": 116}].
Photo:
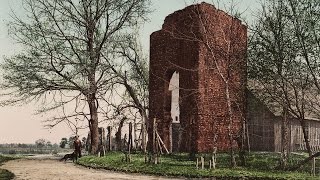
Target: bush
[
  {"x": 12, "y": 151},
  {"x": 55, "y": 151},
  {"x": 5, "y": 174}
]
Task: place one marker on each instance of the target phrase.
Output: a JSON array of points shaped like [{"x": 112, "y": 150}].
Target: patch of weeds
[{"x": 6, "y": 175}]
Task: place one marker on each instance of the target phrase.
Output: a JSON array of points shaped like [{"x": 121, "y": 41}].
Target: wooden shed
[{"x": 264, "y": 128}]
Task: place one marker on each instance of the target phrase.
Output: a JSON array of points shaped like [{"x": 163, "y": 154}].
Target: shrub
[
  {"x": 12, "y": 151},
  {"x": 5, "y": 174},
  {"x": 55, "y": 151}
]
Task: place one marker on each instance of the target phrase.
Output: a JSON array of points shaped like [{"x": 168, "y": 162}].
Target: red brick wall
[{"x": 191, "y": 42}]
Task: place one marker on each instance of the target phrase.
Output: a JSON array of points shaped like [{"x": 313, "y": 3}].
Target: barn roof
[{"x": 276, "y": 109}]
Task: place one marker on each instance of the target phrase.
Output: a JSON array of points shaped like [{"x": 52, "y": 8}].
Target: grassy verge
[
  {"x": 5, "y": 174},
  {"x": 260, "y": 166}
]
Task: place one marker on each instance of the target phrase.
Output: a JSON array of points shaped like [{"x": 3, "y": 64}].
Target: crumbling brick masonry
[{"x": 204, "y": 45}]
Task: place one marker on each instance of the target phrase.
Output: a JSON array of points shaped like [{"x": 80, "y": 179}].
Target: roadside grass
[
  {"x": 6, "y": 158},
  {"x": 5, "y": 174},
  {"x": 259, "y": 166}
]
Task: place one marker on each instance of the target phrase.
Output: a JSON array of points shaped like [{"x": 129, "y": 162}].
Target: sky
[{"x": 19, "y": 124}]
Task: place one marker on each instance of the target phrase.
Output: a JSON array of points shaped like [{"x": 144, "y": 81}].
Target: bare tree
[
  {"x": 270, "y": 40},
  {"x": 68, "y": 48},
  {"x": 40, "y": 143},
  {"x": 280, "y": 69},
  {"x": 136, "y": 81}
]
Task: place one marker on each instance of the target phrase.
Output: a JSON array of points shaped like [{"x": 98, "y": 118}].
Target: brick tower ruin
[{"x": 204, "y": 48}]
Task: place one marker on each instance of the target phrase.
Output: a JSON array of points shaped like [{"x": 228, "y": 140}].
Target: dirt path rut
[{"x": 49, "y": 169}]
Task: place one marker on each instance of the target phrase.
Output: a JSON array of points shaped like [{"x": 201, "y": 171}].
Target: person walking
[{"x": 77, "y": 147}]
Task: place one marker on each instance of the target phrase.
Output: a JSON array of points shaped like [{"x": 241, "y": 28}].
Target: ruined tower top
[{"x": 195, "y": 10}]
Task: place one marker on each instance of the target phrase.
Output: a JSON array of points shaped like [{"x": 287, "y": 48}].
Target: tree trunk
[
  {"x": 130, "y": 141},
  {"x": 118, "y": 134},
  {"x": 143, "y": 138},
  {"x": 306, "y": 136},
  {"x": 241, "y": 139},
  {"x": 284, "y": 138},
  {"x": 88, "y": 143},
  {"x": 306, "y": 139},
  {"x": 93, "y": 124},
  {"x": 109, "y": 128},
  {"x": 230, "y": 133},
  {"x": 144, "y": 133}
]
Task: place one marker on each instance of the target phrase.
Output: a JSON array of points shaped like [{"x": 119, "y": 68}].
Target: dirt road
[{"x": 52, "y": 169}]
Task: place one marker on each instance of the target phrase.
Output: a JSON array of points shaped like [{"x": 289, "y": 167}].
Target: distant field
[{"x": 10, "y": 150}]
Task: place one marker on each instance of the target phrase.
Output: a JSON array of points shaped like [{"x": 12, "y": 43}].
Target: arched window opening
[{"x": 174, "y": 88}]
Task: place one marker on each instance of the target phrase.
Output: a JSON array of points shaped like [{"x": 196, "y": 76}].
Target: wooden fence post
[
  {"x": 154, "y": 141},
  {"x": 313, "y": 166},
  {"x": 102, "y": 142},
  {"x": 161, "y": 143},
  {"x": 143, "y": 142},
  {"x": 197, "y": 165},
  {"x": 202, "y": 162},
  {"x": 129, "y": 142},
  {"x": 143, "y": 134},
  {"x": 213, "y": 158},
  {"x": 154, "y": 136},
  {"x": 109, "y": 138}
]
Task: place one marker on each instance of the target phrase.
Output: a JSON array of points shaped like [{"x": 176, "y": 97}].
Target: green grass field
[{"x": 259, "y": 166}]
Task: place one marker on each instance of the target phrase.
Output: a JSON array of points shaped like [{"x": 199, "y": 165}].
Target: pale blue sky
[{"x": 18, "y": 124}]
